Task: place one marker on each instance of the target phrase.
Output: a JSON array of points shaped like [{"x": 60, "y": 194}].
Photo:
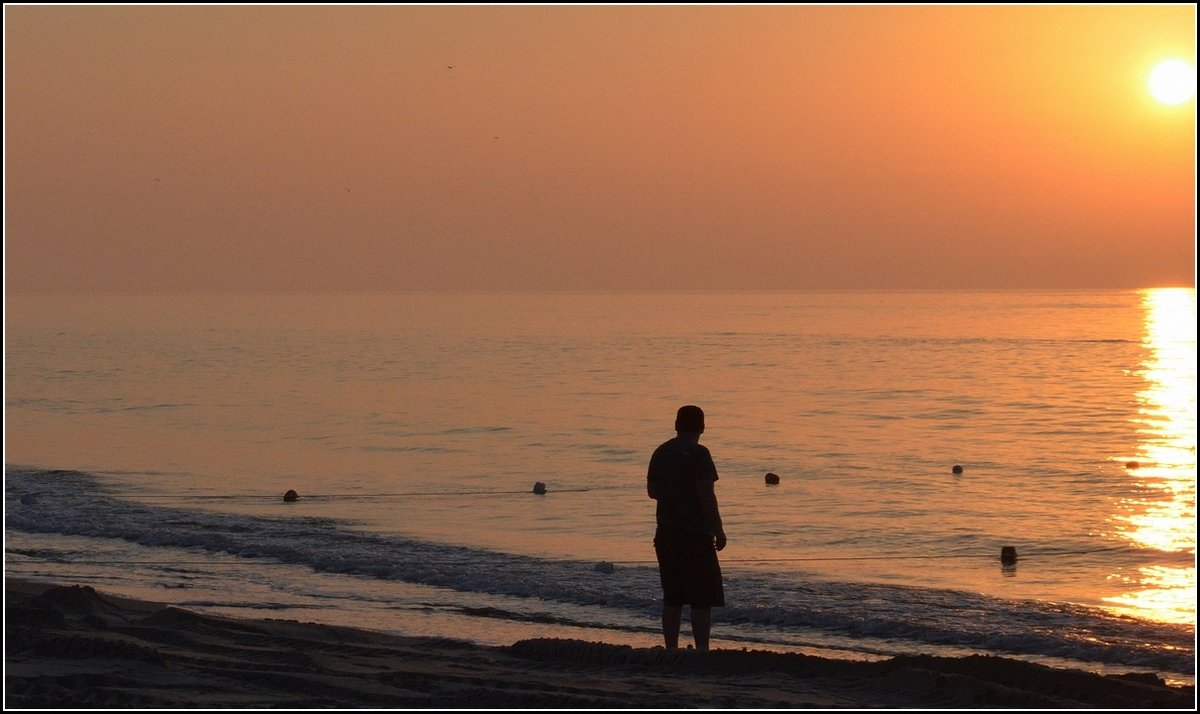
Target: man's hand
[{"x": 719, "y": 540}]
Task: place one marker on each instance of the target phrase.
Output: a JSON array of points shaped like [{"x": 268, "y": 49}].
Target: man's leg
[
  {"x": 672, "y": 616},
  {"x": 701, "y": 627}
]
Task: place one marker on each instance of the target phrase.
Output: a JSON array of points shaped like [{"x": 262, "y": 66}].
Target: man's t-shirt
[{"x": 675, "y": 468}]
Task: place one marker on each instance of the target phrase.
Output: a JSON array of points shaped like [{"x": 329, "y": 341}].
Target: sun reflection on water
[{"x": 1164, "y": 516}]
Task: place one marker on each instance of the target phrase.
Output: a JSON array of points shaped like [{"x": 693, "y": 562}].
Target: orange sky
[{"x": 684, "y": 148}]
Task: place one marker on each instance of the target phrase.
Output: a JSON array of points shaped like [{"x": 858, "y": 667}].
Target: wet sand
[{"x": 72, "y": 647}]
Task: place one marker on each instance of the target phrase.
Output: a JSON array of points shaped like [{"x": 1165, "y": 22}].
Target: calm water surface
[{"x": 419, "y": 424}]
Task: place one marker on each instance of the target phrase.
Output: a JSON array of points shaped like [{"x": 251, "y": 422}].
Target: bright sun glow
[
  {"x": 1173, "y": 81},
  {"x": 1161, "y": 512}
]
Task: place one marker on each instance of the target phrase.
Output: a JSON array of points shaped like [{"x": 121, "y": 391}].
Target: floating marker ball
[
  {"x": 1132, "y": 465},
  {"x": 772, "y": 479},
  {"x": 539, "y": 488},
  {"x": 957, "y": 469},
  {"x": 605, "y": 567},
  {"x": 1008, "y": 555},
  {"x": 290, "y": 496}
]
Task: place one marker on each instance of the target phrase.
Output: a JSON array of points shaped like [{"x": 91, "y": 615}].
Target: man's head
[{"x": 689, "y": 420}]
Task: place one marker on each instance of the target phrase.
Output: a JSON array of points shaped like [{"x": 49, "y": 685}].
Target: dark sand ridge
[{"x": 74, "y": 647}]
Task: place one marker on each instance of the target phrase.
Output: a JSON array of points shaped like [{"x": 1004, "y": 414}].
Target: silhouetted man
[{"x": 689, "y": 534}]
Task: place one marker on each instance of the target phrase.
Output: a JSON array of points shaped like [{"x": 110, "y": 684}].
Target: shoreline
[{"x": 71, "y": 646}]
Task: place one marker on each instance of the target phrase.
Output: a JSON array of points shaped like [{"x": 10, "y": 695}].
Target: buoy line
[
  {"x": 345, "y": 496},
  {"x": 724, "y": 561}
]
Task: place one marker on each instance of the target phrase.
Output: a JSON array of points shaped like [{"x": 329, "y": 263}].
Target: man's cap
[{"x": 690, "y": 419}]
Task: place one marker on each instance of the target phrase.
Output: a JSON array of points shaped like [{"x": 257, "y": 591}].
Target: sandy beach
[{"x": 71, "y": 646}]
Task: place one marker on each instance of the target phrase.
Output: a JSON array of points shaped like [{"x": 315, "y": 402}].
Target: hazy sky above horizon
[{"x": 227, "y": 148}]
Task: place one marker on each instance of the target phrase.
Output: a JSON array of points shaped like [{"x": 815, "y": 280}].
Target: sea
[{"x": 473, "y": 466}]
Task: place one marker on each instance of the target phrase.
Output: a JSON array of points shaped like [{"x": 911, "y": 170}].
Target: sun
[{"x": 1173, "y": 81}]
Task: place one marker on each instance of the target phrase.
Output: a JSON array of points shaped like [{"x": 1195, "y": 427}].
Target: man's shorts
[{"x": 688, "y": 567}]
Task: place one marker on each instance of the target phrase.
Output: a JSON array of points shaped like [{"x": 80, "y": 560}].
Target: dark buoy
[
  {"x": 1132, "y": 465},
  {"x": 1008, "y": 555},
  {"x": 605, "y": 567},
  {"x": 772, "y": 479},
  {"x": 539, "y": 488},
  {"x": 957, "y": 469},
  {"x": 290, "y": 496}
]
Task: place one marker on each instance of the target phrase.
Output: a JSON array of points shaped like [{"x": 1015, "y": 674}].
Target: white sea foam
[{"x": 76, "y": 504}]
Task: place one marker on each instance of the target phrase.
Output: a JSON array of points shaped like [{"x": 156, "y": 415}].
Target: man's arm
[
  {"x": 708, "y": 504},
  {"x": 654, "y": 475},
  {"x": 651, "y": 482}
]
